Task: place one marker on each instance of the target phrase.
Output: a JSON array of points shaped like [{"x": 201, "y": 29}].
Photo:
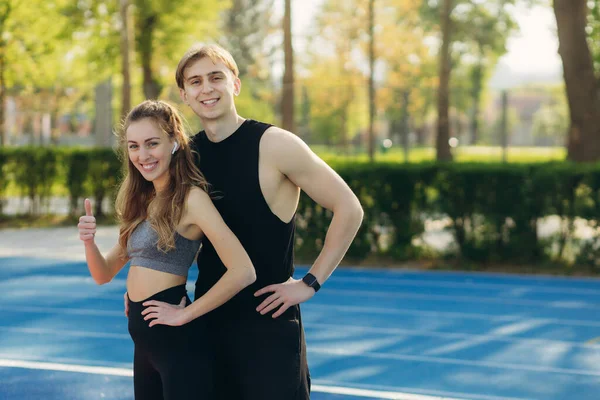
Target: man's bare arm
[{"x": 321, "y": 183}]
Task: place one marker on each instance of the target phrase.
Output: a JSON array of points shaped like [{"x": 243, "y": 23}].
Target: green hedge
[
  {"x": 492, "y": 210},
  {"x": 39, "y": 172}
]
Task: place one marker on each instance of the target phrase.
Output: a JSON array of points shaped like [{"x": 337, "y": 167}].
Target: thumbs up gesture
[{"x": 87, "y": 224}]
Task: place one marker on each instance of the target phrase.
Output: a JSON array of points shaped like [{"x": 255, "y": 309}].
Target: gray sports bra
[{"x": 143, "y": 251}]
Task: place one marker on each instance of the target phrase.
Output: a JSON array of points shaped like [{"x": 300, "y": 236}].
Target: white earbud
[{"x": 175, "y": 147}]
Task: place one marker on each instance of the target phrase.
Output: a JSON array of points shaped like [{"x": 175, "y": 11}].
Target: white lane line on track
[
  {"x": 591, "y": 344},
  {"x": 335, "y": 308},
  {"x": 332, "y": 351},
  {"x": 451, "y": 361}
]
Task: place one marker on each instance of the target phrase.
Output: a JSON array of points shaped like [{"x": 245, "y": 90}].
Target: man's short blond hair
[{"x": 214, "y": 52}]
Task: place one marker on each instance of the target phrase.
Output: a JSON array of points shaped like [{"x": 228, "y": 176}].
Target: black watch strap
[{"x": 311, "y": 281}]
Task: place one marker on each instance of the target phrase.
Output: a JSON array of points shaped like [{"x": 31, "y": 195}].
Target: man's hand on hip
[{"x": 283, "y": 296}]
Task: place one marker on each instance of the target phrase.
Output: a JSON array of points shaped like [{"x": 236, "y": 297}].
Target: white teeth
[
  {"x": 148, "y": 167},
  {"x": 209, "y": 102}
]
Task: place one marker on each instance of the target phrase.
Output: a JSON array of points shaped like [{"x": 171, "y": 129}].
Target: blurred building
[{"x": 26, "y": 125}]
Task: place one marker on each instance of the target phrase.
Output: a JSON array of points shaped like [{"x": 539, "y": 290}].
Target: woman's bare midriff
[{"x": 144, "y": 282}]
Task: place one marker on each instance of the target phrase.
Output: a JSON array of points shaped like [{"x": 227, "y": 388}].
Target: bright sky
[
  {"x": 535, "y": 47},
  {"x": 532, "y": 50}
]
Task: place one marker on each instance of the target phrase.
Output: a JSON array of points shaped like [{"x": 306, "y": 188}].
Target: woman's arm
[
  {"x": 240, "y": 271},
  {"x": 102, "y": 269}
]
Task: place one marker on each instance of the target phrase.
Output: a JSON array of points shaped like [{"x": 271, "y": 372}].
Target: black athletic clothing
[
  {"x": 261, "y": 359},
  {"x": 170, "y": 362},
  {"x": 231, "y": 168},
  {"x": 258, "y": 357}
]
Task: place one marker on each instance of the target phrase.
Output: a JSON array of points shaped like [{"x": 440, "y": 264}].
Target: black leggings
[{"x": 170, "y": 363}]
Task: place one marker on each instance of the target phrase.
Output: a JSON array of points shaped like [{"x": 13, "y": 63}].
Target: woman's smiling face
[{"x": 149, "y": 150}]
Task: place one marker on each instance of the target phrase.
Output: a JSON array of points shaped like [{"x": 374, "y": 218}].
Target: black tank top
[{"x": 231, "y": 168}]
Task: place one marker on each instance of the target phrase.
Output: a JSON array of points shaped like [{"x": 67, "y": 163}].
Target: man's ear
[
  {"x": 237, "y": 86},
  {"x": 183, "y": 96}
]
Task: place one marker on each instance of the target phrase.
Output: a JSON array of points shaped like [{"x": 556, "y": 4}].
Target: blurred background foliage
[
  {"x": 386, "y": 91},
  {"x": 430, "y": 69}
]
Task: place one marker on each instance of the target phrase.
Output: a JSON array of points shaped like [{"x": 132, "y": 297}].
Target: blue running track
[{"x": 371, "y": 334}]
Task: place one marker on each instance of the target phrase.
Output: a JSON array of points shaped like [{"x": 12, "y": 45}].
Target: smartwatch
[{"x": 311, "y": 281}]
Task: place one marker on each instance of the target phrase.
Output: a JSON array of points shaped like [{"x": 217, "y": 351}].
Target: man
[{"x": 256, "y": 172}]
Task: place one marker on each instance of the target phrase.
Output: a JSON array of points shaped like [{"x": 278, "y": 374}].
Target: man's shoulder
[
  {"x": 258, "y": 127},
  {"x": 279, "y": 135},
  {"x": 281, "y": 144}
]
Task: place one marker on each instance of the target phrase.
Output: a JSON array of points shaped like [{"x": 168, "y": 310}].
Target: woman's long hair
[{"x": 137, "y": 199}]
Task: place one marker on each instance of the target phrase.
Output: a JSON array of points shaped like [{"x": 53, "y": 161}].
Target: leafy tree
[
  {"x": 287, "y": 97},
  {"x": 247, "y": 28},
  {"x": 371, "y": 57},
  {"x": 337, "y": 101},
  {"x": 126, "y": 53},
  {"x": 485, "y": 32},
  {"x": 550, "y": 123},
  {"x": 580, "y": 80},
  {"x": 593, "y": 31},
  {"x": 443, "y": 100},
  {"x": 28, "y": 41},
  {"x": 410, "y": 68},
  {"x": 163, "y": 30},
  {"x": 333, "y": 80},
  {"x": 472, "y": 30}
]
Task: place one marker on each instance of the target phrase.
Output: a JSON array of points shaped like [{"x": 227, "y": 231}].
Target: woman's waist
[
  {"x": 170, "y": 295},
  {"x": 143, "y": 283}
]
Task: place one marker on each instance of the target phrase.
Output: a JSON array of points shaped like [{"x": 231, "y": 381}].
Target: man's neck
[{"x": 218, "y": 130}]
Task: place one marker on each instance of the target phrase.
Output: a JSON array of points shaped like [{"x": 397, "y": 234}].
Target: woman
[{"x": 164, "y": 210}]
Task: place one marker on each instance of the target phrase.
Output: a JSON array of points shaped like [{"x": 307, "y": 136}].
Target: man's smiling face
[{"x": 209, "y": 89}]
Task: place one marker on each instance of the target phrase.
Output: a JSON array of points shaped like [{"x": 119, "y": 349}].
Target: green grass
[
  {"x": 47, "y": 221},
  {"x": 461, "y": 154}
]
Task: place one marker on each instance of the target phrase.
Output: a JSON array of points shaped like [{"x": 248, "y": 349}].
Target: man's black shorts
[{"x": 261, "y": 358}]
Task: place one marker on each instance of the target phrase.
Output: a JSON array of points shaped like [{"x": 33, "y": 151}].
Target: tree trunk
[
  {"x": 236, "y": 45},
  {"x": 3, "y": 131},
  {"x": 4, "y": 14},
  {"x": 126, "y": 41},
  {"x": 287, "y": 98},
  {"x": 371, "y": 133},
  {"x": 583, "y": 141},
  {"x": 476, "y": 81},
  {"x": 151, "y": 86},
  {"x": 420, "y": 134},
  {"x": 343, "y": 130},
  {"x": 443, "y": 121},
  {"x": 504, "y": 126},
  {"x": 103, "y": 119},
  {"x": 404, "y": 124},
  {"x": 305, "y": 116}
]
